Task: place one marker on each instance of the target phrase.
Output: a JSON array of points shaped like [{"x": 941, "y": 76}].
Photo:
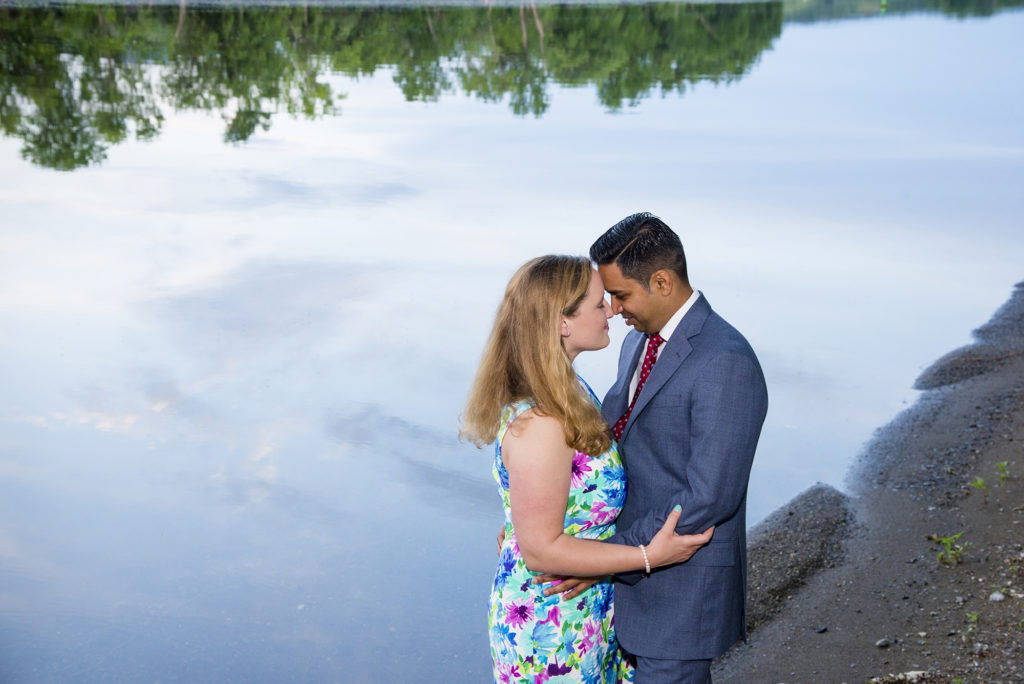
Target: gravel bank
[{"x": 853, "y": 589}]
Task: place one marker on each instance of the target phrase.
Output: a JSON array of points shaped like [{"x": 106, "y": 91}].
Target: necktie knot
[{"x": 653, "y": 342}]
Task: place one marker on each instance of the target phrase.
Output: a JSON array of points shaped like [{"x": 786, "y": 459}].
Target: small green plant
[
  {"x": 979, "y": 484},
  {"x": 951, "y": 551},
  {"x": 1003, "y": 472},
  {"x": 972, "y": 622}
]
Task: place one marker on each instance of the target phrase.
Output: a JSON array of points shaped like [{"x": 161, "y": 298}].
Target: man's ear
[{"x": 661, "y": 282}]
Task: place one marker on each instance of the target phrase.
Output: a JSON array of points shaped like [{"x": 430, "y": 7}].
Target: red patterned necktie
[{"x": 653, "y": 342}]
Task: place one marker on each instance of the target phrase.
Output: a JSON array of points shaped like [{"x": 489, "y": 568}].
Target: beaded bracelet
[{"x": 647, "y": 563}]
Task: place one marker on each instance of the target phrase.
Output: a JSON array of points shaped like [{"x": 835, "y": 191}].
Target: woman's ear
[{"x": 565, "y": 330}]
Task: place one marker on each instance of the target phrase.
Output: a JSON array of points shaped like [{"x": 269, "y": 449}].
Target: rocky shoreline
[{"x": 919, "y": 574}]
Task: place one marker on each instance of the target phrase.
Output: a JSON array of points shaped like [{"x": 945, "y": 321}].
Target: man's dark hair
[{"x": 639, "y": 245}]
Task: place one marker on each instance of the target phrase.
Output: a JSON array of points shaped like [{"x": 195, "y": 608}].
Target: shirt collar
[{"x": 670, "y": 327}]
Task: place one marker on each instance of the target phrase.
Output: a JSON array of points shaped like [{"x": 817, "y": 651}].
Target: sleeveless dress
[{"x": 536, "y": 638}]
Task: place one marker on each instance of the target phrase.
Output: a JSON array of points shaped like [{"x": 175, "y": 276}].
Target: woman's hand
[{"x": 667, "y": 547}]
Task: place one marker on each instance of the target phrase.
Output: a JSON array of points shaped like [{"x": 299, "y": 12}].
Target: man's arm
[{"x": 728, "y": 409}]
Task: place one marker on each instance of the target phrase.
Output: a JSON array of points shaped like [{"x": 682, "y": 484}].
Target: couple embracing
[{"x": 653, "y": 508}]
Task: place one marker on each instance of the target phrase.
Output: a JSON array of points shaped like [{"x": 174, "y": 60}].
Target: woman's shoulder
[{"x": 531, "y": 425}]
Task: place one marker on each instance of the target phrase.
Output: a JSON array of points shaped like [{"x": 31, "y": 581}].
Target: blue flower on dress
[
  {"x": 545, "y": 639},
  {"x": 592, "y": 672},
  {"x": 506, "y": 564},
  {"x": 506, "y": 641}
]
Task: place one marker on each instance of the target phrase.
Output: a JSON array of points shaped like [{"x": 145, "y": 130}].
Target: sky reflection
[{"x": 232, "y": 374}]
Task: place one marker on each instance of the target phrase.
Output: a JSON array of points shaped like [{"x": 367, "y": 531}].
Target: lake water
[{"x": 249, "y": 256}]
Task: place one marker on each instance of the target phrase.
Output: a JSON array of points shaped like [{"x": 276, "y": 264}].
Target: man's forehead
[{"x": 614, "y": 281}]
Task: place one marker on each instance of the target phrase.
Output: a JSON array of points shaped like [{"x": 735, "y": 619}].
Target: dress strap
[
  {"x": 593, "y": 396},
  {"x": 511, "y": 412}
]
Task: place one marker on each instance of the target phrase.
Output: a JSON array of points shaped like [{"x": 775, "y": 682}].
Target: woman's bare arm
[{"x": 539, "y": 465}]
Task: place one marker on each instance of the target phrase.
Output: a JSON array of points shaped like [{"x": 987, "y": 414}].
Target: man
[{"x": 686, "y": 437}]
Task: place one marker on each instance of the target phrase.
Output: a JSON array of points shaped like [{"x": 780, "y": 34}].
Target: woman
[{"x": 560, "y": 479}]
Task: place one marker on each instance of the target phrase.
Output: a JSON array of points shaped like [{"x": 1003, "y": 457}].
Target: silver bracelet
[{"x": 647, "y": 563}]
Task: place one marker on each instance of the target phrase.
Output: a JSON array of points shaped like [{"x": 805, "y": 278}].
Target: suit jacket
[{"x": 690, "y": 441}]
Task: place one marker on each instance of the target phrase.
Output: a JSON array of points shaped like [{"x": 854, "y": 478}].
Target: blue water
[{"x": 232, "y": 373}]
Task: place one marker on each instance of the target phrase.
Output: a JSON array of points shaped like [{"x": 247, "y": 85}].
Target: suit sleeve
[{"x": 728, "y": 407}]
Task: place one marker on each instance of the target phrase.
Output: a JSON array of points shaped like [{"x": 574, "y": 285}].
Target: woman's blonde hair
[{"x": 524, "y": 357}]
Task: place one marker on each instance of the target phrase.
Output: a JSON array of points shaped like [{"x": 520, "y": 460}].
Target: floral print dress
[{"x": 537, "y": 638}]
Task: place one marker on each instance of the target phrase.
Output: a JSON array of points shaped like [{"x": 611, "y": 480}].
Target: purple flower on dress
[
  {"x": 555, "y": 669},
  {"x": 507, "y": 672},
  {"x": 554, "y": 617},
  {"x": 601, "y": 515},
  {"x": 580, "y": 468},
  {"x": 591, "y": 635},
  {"x": 517, "y": 613}
]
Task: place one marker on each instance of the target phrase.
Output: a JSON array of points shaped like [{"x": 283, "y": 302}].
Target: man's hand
[
  {"x": 501, "y": 538},
  {"x": 568, "y": 587}
]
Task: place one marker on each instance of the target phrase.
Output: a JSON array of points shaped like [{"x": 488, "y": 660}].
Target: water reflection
[
  {"x": 231, "y": 372},
  {"x": 76, "y": 81},
  {"x": 76, "y": 78}
]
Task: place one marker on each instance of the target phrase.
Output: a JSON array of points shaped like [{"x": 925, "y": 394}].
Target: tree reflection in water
[{"x": 81, "y": 78}]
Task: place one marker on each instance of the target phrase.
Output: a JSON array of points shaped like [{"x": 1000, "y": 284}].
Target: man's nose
[{"x": 616, "y": 305}]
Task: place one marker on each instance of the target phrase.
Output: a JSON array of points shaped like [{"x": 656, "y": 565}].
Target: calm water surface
[{"x": 249, "y": 256}]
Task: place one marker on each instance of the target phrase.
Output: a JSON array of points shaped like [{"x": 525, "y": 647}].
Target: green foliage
[
  {"x": 979, "y": 484},
  {"x": 80, "y": 78},
  {"x": 972, "y": 622},
  {"x": 1003, "y": 472},
  {"x": 951, "y": 552},
  {"x": 837, "y": 9}
]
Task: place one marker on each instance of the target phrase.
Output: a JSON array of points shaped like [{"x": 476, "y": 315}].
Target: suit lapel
[
  {"x": 671, "y": 358},
  {"x": 617, "y": 398}
]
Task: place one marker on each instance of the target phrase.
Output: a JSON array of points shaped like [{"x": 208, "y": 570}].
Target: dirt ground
[{"x": 919, "y": 575}]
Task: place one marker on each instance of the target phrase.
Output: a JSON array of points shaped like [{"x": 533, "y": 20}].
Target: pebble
[
  {"x": 996, "y": 597},
  {"x": 883, "y": 643},
  {"x": 821, "y": 630}
]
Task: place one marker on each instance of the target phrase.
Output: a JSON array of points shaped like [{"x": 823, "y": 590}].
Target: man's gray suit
[{"x": 690, "y": 440}]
